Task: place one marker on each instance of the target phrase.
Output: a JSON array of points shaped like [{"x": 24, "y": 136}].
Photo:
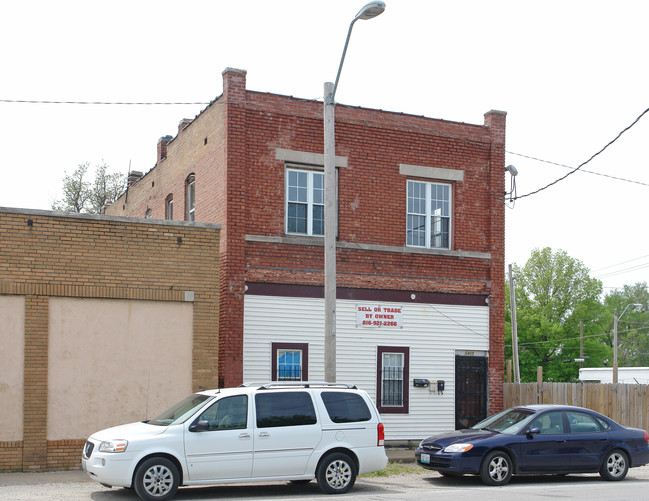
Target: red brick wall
[{"x": 246, "y": 193}]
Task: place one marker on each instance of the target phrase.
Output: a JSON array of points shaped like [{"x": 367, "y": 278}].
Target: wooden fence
[{"x": 628, "y": 404}]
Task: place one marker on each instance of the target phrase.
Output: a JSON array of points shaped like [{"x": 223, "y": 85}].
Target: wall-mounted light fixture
[{"x": 512, "y": 189}]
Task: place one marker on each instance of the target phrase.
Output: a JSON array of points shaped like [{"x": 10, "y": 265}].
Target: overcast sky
[{"x": 571, "y": 75}]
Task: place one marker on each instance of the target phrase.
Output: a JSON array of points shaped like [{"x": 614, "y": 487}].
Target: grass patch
[{"x": 396, "y": 468}]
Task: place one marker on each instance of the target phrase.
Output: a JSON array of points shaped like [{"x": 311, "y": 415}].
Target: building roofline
[{"x": 104, "y": 218}]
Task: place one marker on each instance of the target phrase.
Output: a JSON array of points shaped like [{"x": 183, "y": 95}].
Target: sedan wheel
[
  {"x": 496, "y": 468},
  {"x": 615, "y": 467}
]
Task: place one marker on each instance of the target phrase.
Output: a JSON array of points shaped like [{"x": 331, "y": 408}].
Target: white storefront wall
[{"x": 433, "y": 332}]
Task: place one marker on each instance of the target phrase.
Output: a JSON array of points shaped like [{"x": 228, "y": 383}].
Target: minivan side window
[
  {"x": 229, "y": 413},
  {"x": 284, "y": 409},
  {"x": 346, "y": 407}
]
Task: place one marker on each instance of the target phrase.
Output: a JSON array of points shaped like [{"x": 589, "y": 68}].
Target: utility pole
[
  {"x": 616, "y": 319},
  {"x": 331, "y": 223},
  {"x": 512, "y": 304},
  {"x": 369, "y": 11},
  {"x": 581, "y": 344}
]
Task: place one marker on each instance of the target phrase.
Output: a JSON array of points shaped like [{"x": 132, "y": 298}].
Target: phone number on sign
[{"x": 380, "y": 323}]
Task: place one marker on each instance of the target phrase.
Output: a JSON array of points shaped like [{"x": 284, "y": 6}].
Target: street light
[
  {"x": 615, "y": 321},
  {"x": 371, "y": 10}
]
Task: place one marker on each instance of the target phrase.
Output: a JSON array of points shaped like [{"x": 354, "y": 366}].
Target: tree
[
  {"x": 554, "y": 292},
  {"x": 633, "y": 327},
  {"x": 106, "y": 188},
  {"x": 80, "y": 195}
]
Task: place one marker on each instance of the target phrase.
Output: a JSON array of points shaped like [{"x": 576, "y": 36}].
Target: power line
[
  {"x": 573, "y": 169},
  {"x": 617, "y": 178},
  {"x": 587, "y": 161},
  {"x": 619, "y": 264},
  {"x": 576, "y": 338},
  {"x": 449, "y": 136},
  {"x": 623, "y": 271}
]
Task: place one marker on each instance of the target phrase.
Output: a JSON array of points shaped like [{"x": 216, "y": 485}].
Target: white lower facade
[{"x": 428, "y": 336}]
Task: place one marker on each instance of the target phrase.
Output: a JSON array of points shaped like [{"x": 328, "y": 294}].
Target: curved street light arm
[{"x": 369, "y": 11}]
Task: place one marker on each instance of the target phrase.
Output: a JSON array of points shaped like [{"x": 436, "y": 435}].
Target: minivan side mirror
[{"x": 199, "y": 426}]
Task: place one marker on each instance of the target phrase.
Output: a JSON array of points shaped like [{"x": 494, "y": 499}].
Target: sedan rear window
[
  {"x": 346, "y": 407},
  {"x": 580, "y": 422}
]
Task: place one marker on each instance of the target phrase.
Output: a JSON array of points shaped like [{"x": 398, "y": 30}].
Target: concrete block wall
[{"x": 45, "y": 254}]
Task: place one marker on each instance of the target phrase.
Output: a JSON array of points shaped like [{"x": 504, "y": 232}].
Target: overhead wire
[
  {"x": 395, "y": 119},
  {"x": 589, "y": 160},
  {"x": 619, "y": 264},
  {"x": 576, "y": 338},
  {"x": 573, "y": 169},
  {"x": 617, "y": 178},
  {"x": 622, "y": 271}
]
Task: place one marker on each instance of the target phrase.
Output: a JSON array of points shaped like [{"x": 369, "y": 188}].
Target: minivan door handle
[
  {"x": 245, "y": 435},
  {"x": 264, "y": 434}
]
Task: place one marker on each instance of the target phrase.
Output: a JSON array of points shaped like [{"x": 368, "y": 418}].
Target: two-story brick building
[{"x": 420, "y": 247}]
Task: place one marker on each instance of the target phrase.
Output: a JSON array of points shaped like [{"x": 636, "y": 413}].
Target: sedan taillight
[{"x": 381, "y": 433}]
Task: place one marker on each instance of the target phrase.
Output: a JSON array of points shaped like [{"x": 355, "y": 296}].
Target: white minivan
[{"x": 293, "y": 431}]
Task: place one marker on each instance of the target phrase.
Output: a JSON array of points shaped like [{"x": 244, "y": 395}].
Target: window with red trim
[
  {"x": 290, "y": 362},
  {"x": 393, "y": 367}
]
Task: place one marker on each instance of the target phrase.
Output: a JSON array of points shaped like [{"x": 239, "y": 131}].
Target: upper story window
[
  {"x": 304, "y": 202},
  {"x": 429, "y": 215},
  {"x": 169, "y": 207},
  {"x": 190, "y": 197}
]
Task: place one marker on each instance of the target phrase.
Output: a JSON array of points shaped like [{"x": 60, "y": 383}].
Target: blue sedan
[{"x": 537, "y": 439}]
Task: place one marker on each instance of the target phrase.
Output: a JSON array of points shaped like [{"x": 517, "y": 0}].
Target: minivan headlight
[
  {"x": 113, "y": 446},
  {"x": 458, "y": 448}
]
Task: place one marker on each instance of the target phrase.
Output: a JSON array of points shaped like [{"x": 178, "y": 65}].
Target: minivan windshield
[
  {"x": 181, "y": 411},
  {"x": 509, "y": 421}
]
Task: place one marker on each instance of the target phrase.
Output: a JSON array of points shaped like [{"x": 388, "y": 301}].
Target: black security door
[{"x": 470, "y": 391}]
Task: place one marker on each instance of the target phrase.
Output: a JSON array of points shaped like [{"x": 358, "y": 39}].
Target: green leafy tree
[
  {"x": 554, "y": 292},
  {"x": 82, "y": 195},
  {"x": 633, "y": 327}
]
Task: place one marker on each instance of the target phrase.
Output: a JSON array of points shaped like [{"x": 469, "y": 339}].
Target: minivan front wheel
[
  {"x": 156, "y": 479},
  {"x": 336, "y": 473}
]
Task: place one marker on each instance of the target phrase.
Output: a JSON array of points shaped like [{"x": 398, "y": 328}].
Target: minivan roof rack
[{"x": 304, "y": 384}]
